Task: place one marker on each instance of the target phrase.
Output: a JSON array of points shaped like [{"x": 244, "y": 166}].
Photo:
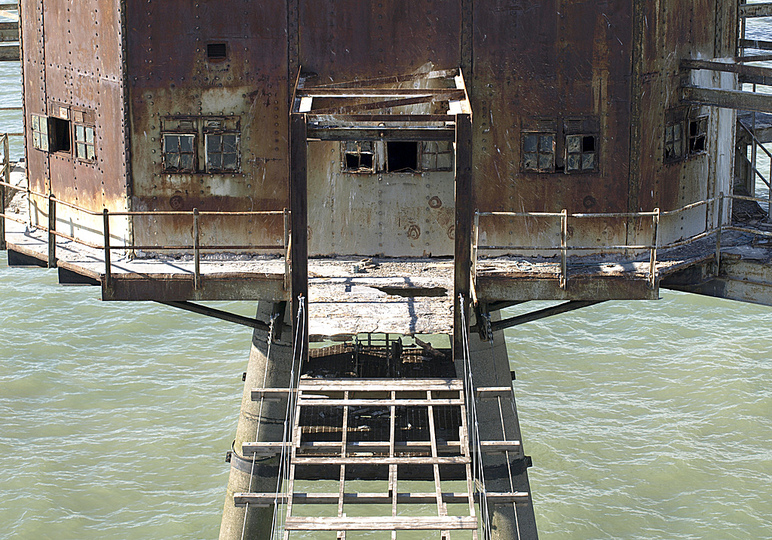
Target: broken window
[
  {"x": 358, "y": 157},
  {"x": 698, "y": 135},
  {"x": 84, "y": 142},
  {"x": 538, "y": 151},
  {"x": 222, "y": 152},
  {"x": 179, "y": 152},
  {"x": 581, "y": 153},
  {"x": 437, "y": 156},
  {"x": 40, "y": 132},
  {"x": 674, "y": 141},
  {"x": 401, "y": 156}
]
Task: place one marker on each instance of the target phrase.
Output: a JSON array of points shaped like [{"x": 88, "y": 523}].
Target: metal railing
[
  {"x": 108, "y": 247},
  {"x": 564, "y": 248}
]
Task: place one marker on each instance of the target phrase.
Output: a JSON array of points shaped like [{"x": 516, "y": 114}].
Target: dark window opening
[
  {"x": 588, "y": 144},
  {"x": 217, "y": 51},
  {"x": 698, "y": 135},
  {"x": 60, "y": 129},
  {"x": 358, "y": 157},
  {"x": 538, "y": 151},
  {"x": 401, "y": 156}
]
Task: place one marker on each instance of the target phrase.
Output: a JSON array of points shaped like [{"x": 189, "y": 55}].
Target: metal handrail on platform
[{"x": 196, "y": 246}]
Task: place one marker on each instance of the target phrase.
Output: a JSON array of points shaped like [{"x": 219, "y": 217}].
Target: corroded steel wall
[
  {"x": 170, "y": 75},
  {"x": 72, "y": 66}
]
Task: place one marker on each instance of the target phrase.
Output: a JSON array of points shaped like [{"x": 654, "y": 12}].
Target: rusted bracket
[
  {"x": 541, "y": 314},
  {"x": 219, "y": 314}
]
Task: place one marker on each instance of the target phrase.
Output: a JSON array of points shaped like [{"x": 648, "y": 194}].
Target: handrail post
[
  {"x": 7, "y": 178},
  {"x": 564, "y": 249},
  {"x": 719, "y": 227},
  {"x": 653, "y": 252},
  {"x": 108, "y": 264},
  {"x": 196, "y": 251},
  {"x": 476, "y": 242},
  {"x": 51, "y": 231}
]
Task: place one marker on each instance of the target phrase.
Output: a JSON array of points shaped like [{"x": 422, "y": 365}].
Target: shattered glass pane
[
  {"x": 529, "y": 143},
  {"x": 428, "y": 161},
  {"x": 588, "y": 162},
  {"x": 546, "y": 162},
  {"x": 172, "y": 161},
  {"x": 186, "y": 162},
  {"x": 677, "y": 132},
  {"x": 90, "y": 152},
  {"x": 444, "y": 161},
  {"x": 36, "y": 139},
  {"x": 669, "y": 150},
  {"x": 214, "y": 143},
  {"x": 229, "y": 162},
  {"x": 215, "y": 161},
  {"x": 186, "y": 143},
  {"x": 530, "y": 162},
  {"x": 573, "y": 162},
  {"x": 546, "y": 144},
  {"x": 35, "y": 123},
  {"x": 171, "y": 144},
  {"x": 229, "y": 143},
  {"x": 574, "y": 144},
  {"x": 668, "y": 133}
]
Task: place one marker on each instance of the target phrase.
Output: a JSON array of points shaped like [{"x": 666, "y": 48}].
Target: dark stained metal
[{"x": 219, "y": 314}]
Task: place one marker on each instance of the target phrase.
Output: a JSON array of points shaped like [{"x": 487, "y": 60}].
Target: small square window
[
  {"x": 40, "y": 132},
  {"x": 222, "y": 152},
  {"x": 59, "y": 135},
  {"x": 538, "y": 151},
  {"x": 179, "y": 151},
  {"x": 217, "y": 51},
  {"x": 437, "y": 156},
  {"x": 401, "y": 156},
  {"x": 358, "y": 157},
  {"x": 84, "y": 142},
  {"x": 581, "y": 153},
  {"x": 698, "y": 135}
]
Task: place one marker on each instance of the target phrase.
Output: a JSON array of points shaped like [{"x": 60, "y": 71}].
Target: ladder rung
[
  {"x": 507, "y": 497},
  {"x": 448, "y": 523},
  {"x": 380, "y": 385},
  {"x": 267, "y": 499},
  {"x": 269, "y": 448},
  {"x": 490, "y": 447},
  {"x": 370, "y": 460},
  {"x": 493, "y": 392}
]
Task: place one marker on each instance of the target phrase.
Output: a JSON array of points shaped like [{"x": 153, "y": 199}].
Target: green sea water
[{"x": 644, "y": 419}]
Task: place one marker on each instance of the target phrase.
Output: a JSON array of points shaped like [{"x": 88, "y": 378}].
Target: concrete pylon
[
  {"x": 270, "y": 363},
  {"x": 490, "y": 367}
]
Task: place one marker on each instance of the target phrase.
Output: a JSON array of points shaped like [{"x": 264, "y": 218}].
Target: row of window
[
  {"x": 685, "y": 137},
  {"x": 180, "y": 152},
  {"x": 539, "y": 153},
  {"x": 54, "y": 134}
]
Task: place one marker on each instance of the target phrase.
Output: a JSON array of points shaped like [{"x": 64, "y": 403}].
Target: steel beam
[
  {"x": 219, "y": 314},
  {"x": 541, "y": 314},
  {"x": 728, "y": 99},
  {"x": 299, "y": 221},
  {"x": 463, "y": 232}
]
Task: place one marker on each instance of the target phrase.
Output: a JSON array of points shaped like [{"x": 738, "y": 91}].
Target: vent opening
[{"x": 217, "y": 51}]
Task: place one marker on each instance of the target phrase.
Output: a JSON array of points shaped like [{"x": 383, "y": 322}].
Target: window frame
[
  {"x": 75, "y": 141},
  {"x": 422, "y": 153},
  {"x": 701, "y": 120},
  {"x": 538, "y": 153},
  {"x": 41, "y": 120},
  {"x": 582, "y": 153},
  {"x": 681, "y": 153},
  {"x": 357, "y": 151},
  {"x": 180, "y": 170},
  {"x": 237, "y": 145}
]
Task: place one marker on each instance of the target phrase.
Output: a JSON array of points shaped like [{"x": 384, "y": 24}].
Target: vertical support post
[
  {"x": 463, "y": 250},
  {"x": 51, "y": 231},
  {"x": 719, "y": 227},
  {"x": 653, "y": 252},
  {"x": 3, "y": 189},
  {"x": 299, "y": 220},
  {"x": 475, "y": 244},
  {"x": 196, "y": 251},
  {"x": 108, "y": 264},
  {"x": 287, "y": 247},
  {"x": 563, "y": 249}
]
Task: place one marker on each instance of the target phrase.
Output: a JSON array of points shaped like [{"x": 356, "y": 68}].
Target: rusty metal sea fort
[{"x": 383, "y": 178}]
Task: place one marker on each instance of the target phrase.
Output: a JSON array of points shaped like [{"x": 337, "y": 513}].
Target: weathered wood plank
[
  {"x": 756, "y": 10},
  {"x": 493, "y": 392},
  {"x": 729, "y": 99},
  {"x": 267, "y": 499},
  {"x": 269, "y": 448},
  {"x": 329, "y": 402},
  {"x": 381, "y": 134},
  {"x": 370, "y": 460},
  {"x": 490, "y": 447},
  {"x": 380, "y": 385},
  {"x": 380, "y": 524}
]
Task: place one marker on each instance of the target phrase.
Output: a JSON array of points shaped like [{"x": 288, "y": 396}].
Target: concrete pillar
[
  {"x": 269, "y": 367},
  {"x": 490, "y": 367}
]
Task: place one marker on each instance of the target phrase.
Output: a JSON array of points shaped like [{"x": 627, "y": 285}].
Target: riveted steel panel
[
  {"x": 343, "y": 40},
  {"x": 171, "y": 75}
]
